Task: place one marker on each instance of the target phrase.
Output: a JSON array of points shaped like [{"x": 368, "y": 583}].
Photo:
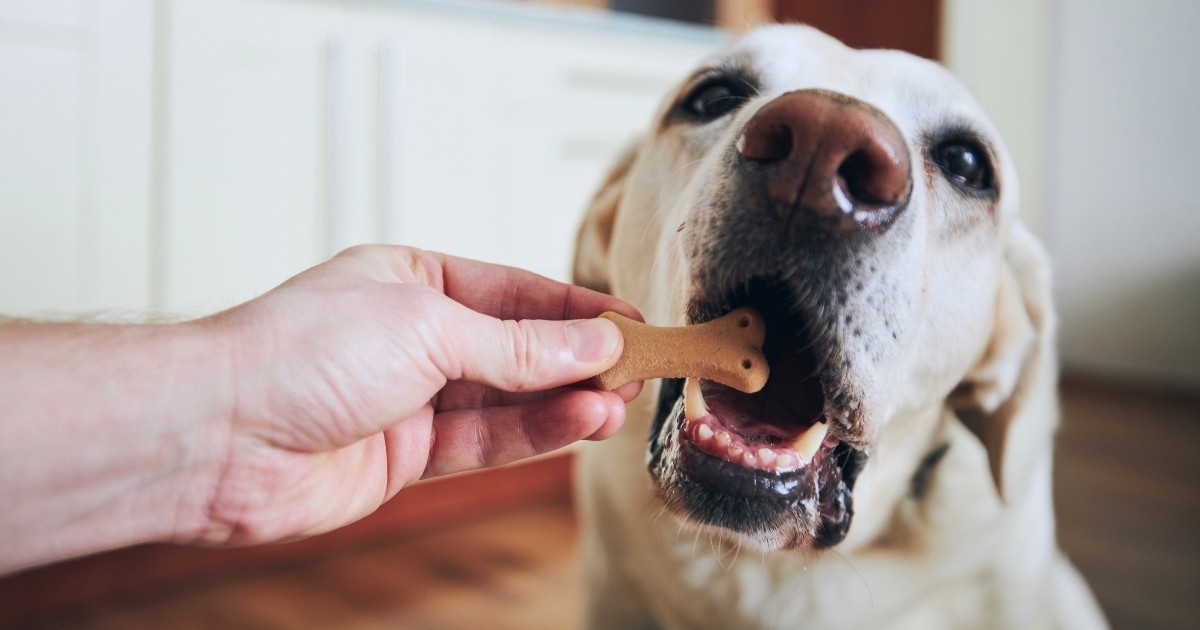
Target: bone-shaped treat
[{"x": 727, "y": 350}]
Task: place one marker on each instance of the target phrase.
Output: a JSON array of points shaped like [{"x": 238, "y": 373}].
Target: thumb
[{"x": 531, "y": 355}]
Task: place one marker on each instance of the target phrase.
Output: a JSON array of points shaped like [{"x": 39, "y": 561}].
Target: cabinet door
[
  {"x": 245, "y": 147},
  {"x": 74, "y": 157},
  {"x": 503, "y": 130},
  {"x": 438, "y": 83},
  {"x": 296, "y": 129},
  {"x": 580, "y": 98}
]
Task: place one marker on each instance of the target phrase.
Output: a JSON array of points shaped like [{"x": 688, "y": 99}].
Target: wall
[
  {"x": 1123, "y": 219},
  {"x": 1096, "y": 100}
]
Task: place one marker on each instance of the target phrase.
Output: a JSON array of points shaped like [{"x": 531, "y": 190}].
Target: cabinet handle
[{"x": 626, "y": 84}]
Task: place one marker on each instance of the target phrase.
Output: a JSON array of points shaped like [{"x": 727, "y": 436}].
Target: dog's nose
[{"x": 827, "y": 161}]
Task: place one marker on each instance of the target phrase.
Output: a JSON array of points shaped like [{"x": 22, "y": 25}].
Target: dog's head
[{"x": 863, "y": 203}]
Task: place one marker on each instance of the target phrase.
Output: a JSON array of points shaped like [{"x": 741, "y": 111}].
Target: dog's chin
[{"x": 770, "y": 469}]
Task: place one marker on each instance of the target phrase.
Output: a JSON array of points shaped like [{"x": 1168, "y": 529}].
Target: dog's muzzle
[{"x": 812, "y": 170}]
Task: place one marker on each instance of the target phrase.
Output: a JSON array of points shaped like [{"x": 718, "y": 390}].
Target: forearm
[{"x": 109, "y": 436}]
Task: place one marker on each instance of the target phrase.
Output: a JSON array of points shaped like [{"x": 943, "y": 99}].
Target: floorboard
[
  {"x": 1127, "y": 484},
  {"x": 515, "y": 570},
  {"x": 1127, "y": 487}
]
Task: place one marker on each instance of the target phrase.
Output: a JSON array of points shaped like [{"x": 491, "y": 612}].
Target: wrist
[
  {"x": 204, "y": 385},
  {"x": 240, "y": 362}
]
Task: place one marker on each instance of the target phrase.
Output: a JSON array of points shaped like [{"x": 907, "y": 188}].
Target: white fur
[{"x": 976, "y": 310}]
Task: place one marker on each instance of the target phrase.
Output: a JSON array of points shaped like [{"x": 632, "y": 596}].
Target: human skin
[{"x": 298, "y": 412}]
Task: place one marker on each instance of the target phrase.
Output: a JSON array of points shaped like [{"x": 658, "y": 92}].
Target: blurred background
[{"x": 173, "y": 157}]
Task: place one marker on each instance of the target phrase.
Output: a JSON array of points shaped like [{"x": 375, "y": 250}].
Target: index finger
[{"x": 509, "y": 293}]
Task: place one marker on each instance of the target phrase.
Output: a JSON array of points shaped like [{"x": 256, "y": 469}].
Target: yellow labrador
[{"x": 895, "y": 471}]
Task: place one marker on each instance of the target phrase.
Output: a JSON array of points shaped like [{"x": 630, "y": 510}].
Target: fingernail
[{"x": 593, "y": 339}]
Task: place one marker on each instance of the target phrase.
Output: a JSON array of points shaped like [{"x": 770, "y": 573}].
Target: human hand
[{"x": 386, "y": 365}]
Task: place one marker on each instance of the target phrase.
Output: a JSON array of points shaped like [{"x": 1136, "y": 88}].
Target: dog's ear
[
  {"x": 594, "y": 239},
  {"x": 1008, "y": 398}
]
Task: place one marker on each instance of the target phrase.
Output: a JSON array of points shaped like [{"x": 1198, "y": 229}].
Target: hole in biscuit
[
  {"x": 746, "y": 364},
  {"x": 743, "y": 322}
]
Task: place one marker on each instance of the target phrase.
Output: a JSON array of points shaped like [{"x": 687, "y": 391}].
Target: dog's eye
[
  {"x": 715, "y": 98},
  {"x": 965, "y": 163}
]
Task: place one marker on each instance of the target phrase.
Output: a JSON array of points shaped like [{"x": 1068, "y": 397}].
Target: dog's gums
[
  {"x": 759, "y": 452},
  {"x": 779, "y": 488}
]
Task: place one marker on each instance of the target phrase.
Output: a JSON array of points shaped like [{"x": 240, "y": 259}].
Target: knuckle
[
  {"x": 523, "y": 341},
  {"x": 357, "y": 252},
  {"x": 524, "y": 441},
  {"x": 484, "y": 444}
]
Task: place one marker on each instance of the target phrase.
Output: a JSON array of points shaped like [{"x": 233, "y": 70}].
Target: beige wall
[
  {"x": 1125, "y": 160},
  {"x": 1097, "y": 101}
]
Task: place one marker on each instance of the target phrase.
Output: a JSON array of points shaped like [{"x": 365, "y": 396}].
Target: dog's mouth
[{"x": 770, "y": 463}]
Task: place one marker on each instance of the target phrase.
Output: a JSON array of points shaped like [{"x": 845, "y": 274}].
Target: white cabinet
[
  {"x": 39, "y": 172},
  {"x": 502, "y": 151},
  {"x": 258, "y": 137},
  {"x": 298, "y": 129},
  {"x": 74, "y": 156},
  {"x": 244, "y": 149}
]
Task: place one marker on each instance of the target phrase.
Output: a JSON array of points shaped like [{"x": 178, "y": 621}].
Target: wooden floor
[
  {"x": 1128, "y": 495},
  {"x": 1128, "y": 488},
  {"x": 512, "y": 571}
]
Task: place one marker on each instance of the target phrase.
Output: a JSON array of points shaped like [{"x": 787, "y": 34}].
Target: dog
[{"x": 895, "y": 472}]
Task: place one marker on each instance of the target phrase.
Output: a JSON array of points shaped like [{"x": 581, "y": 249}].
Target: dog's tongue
[
  {"x": 789, "y": 404},
  {"x": 722, "y": 423}
]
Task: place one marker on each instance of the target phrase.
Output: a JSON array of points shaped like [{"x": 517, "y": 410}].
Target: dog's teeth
[
  {"x": 784, "y": 461},
  {"x": 808, "y": 443},
  {"x": 766, "y": 456},
  {"x": 693, "y": 400},
  {"x": 704, "y": 432},
  {"x": 723, "y": 438}
]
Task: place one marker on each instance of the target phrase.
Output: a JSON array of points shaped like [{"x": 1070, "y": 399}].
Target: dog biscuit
[{"x": 727, "y": 350}]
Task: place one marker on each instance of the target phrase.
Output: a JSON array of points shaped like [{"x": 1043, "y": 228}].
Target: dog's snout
[{"x": 827, "y": 161}]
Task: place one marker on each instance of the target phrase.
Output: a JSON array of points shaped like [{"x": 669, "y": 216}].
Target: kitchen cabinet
[
  {"x": 249, "y": 139},
  {"x": 74, "y": 157}
]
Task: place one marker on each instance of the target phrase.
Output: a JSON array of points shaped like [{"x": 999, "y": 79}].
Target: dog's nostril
[
  {"x": 871, "y": 178},
  {"x": 765, "y": 142}
]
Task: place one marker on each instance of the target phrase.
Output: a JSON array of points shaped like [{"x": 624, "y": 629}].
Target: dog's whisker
[
  {"x": 663, "y": 202},
  {"x": 717, "y": 554},
  {"x": 861, "y": 579},
  {"x": 657, "y": 516},
  {"x": 676, "y": 172},
  {"x": 659, "y": 259}
]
